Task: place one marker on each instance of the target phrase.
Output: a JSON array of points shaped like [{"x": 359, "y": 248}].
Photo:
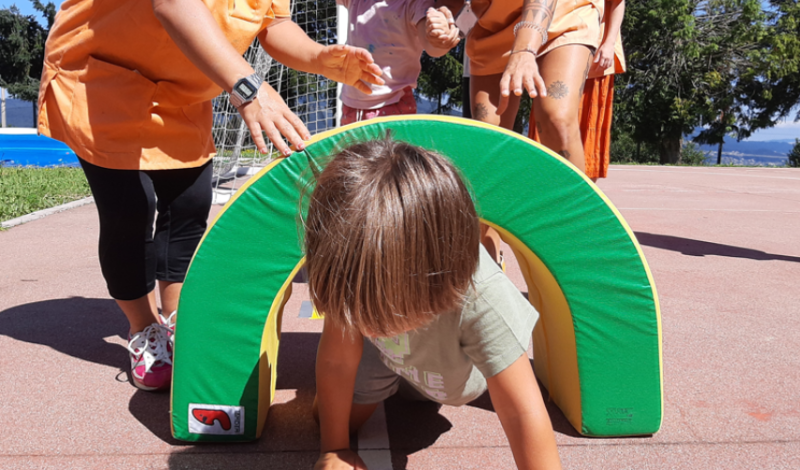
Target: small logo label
[{"x": 216, "y": 419}]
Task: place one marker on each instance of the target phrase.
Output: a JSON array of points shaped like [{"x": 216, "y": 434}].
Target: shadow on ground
[
  {"x": 75, "y": 326},
  {"x": 691, "y": 247}
]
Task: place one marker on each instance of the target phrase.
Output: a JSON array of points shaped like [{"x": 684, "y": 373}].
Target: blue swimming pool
[{"x": 22, "y": 147}]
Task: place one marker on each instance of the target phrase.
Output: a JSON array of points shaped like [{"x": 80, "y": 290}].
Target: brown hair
[{"x": 391, "y": 238}]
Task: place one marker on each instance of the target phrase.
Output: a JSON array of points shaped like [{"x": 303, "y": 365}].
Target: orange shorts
[{"x": 490, "y": 41}]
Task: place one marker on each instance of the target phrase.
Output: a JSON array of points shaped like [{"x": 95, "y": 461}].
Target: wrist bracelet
[
  {"x": 535, "y": 26},
  {"x": 524, "y": 50}
]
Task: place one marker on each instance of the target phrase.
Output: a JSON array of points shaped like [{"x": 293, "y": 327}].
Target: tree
[
  {"x": 22, "y": 41},
  {"x": 440, "y": 79},
  {"x": 794, "y": 155},
  {"x": 705, "y": 62}
]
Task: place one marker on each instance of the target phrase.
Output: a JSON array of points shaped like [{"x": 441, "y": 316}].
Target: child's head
[{"x": 391, "y": 238}]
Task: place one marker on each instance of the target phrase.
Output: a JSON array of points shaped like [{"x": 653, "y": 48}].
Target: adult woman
[
  {"x": 596, "y": 110},
  {"x": 127, "y": 85},
  {"x": 542, "y": 46}
]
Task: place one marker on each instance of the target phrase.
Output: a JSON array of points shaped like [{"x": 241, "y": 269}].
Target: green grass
[{"x": 26, "y": 190}]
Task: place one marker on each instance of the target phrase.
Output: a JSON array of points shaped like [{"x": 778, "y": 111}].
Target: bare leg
[
  {"x": 564, "y": 72},
  {"x": 140, "y": 312},
  {"x": 169, "y": 292},
  {"x": 359, "y": 414},
  {"x": 484, "y": 96},
  {"x": 490, "y": 240},
  {"x": 143, "y": 312}
]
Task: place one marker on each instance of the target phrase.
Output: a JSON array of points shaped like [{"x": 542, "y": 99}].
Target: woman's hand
[
  {"x": 269, "y": 113},
  {"x": 341, "y": 459},
  {"x": 605, "y": 55},
  {"x": 350, "y": 65},
  {"x": 521, "y": 71}
]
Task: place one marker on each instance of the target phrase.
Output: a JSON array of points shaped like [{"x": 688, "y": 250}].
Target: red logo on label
[{"x": 208, "y": 417}]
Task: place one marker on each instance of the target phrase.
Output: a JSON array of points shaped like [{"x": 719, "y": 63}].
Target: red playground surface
[{"x": 723, "y": 245}]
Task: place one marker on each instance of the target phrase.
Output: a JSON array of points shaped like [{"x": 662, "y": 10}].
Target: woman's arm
[
  {"x": 338, "y": 357},
  {"x": 522, "y": 69},
  {"x": 614, "y": 14},
  {"x": 190, "y": 24},
  {"x": 287, "y": 43},
  {"x": 518, "y": 403}
]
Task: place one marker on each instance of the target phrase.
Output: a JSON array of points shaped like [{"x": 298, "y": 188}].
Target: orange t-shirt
[{"x": 118, "y": 91}]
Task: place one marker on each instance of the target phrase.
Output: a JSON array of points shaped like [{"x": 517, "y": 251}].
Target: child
[
  {"x": 396, "y": 33},
  {"x": 410, "y": 298}
]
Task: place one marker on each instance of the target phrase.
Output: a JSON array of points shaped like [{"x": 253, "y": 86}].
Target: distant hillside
[
  {"x": 771, "y": 153},
  {"x": 766, "y": 153}
]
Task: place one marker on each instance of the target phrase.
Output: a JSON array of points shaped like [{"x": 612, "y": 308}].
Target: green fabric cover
[{"x": 253, "y": 247}]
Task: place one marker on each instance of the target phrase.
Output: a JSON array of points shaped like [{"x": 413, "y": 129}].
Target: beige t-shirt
[{"x": 449, "y": 360}]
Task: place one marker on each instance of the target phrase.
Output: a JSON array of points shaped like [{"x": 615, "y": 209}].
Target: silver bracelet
[
  {"x": 524, "y": 50},
  {"x": 535, "y": 26}
]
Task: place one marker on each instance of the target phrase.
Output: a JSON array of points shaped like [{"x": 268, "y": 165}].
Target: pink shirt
[{"x": 388, "y": 29}]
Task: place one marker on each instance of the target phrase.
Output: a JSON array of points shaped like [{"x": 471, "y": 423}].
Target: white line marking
[
  {"x": 373, "y": 441},
  {"x": 306, "y": 309}
]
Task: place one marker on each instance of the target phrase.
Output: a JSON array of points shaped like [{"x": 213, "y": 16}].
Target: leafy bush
[
  {"x": 625, "y": 150},
  {"x": 794, "y": 155},
  {"x": 692, "y": 155}
]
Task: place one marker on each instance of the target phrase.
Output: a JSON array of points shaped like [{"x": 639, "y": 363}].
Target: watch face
[{"x": 245, "y": 89}]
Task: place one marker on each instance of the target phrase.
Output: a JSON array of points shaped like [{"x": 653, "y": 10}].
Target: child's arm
[
  {"x": 615, "y": 11},
  {"x": 518, "y": 403},
  {"x": 338, "y": 357},
  {"x": 438, "y": 32}
]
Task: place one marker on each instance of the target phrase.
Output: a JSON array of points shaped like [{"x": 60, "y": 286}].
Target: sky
[{"x": 787, "y": 129}]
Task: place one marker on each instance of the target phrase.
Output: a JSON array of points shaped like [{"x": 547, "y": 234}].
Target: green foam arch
[{"x": 597, "y": 345}]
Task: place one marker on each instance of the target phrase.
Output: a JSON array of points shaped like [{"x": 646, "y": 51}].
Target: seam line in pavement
[
  {"x": 704, "y": 210},
  {"x": 715, "y": 173},
  {"x": 401, "y": 448}
]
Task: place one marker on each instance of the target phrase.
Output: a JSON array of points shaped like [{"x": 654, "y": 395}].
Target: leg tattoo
[
  {"x": 480, "y": 112},
  {"x": 557, "y": 90},
  {"x": 565, "y": 154}
]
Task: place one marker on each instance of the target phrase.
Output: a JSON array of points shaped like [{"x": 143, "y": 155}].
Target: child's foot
[{"x": 151, "y": 357}]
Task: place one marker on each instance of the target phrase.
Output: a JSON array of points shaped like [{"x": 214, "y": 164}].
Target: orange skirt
[{"x": 595, "y": 113}]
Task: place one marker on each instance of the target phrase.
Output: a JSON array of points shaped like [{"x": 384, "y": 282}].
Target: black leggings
[{"x": 132, "y": 258}]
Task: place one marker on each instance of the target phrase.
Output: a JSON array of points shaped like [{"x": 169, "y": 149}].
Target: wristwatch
[{"x": 246, "y": 89}]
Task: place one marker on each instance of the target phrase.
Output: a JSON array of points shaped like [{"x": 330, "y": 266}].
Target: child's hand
[
  {"x": 350, "y": 65},
  {"x": 441, "y": 29},
  {"x": 605, "y": 55},
  {"x": 340, "y": 459}
]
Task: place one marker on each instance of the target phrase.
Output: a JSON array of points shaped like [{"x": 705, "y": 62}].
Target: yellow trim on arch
[
  {"x": 556, "y": 329},
  {"x": 555, "y": 353}
]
